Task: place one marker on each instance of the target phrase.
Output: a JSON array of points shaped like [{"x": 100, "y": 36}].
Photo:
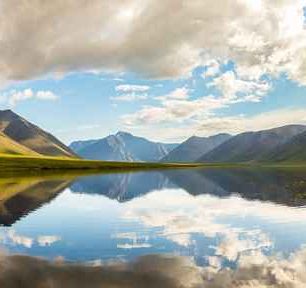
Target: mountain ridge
[
  {"x": 252, "y": 146},
  {"x": 122, "y": 146},
  {"x": 194, "y": 147}
]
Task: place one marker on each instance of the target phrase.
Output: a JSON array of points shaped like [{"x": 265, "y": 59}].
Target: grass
[
  {"x": 13, "y": 163},
  {"x": 17, "y": 162}
]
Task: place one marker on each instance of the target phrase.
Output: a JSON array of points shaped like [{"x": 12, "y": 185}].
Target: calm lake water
[{"x": 185, "y": 228}]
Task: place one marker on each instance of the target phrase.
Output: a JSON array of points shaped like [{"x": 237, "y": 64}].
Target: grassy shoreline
[
  {"x": 10, "y": 163},
  {"x": 13, "y": 162}
]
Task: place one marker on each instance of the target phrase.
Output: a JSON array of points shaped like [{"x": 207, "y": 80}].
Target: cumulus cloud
[
  {"x": 13, "y": 97},
  {"x": 130, "y": 97},
  {"x": 241, "y": 123},
  {"x": 18, "y": 239},
  {"x": 240, "y": 90},
  {"x": 185, "y": 216},
  {"x": 256, "y": 270},
  {"x": 153, "y": 38},
  {"x": 46, "y": 240},
  {"x": 212, "y": 69},
  {"x": 135, "y": 241},
  {"x": 132, "y": 88},
  {"x": 178, "y": 106},
  {"x": 174, "y": 107},
  {"x": 12, "y": 237},
  {"x": 207, "y": 124},
  {"x": 131, "y": 92}
]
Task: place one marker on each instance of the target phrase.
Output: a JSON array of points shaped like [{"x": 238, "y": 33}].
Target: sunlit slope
[
  {"x": 9, "y": 146},
  {"x": 31, "y": 136}
]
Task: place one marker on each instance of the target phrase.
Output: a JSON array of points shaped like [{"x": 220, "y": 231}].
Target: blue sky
[{"x": 160, "y": 80}]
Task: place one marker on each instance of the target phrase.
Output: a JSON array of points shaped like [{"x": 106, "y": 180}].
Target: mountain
[
  {"x": 293, "y": 150},
  {"x": 30, "y": 136},
  {"x": 122, "y": 147},
  {"x": 252, "y": 146},
  {"x": 79, "y": 145},
  {"x": 195, "y": 147}
]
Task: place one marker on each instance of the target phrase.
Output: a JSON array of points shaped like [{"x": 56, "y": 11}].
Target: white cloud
[
  {"x": 132, "y": 88},
  {"x": 129, "y": 97},
  {"x": 130, "y": 93},
  {"x": 14, "y": 97},
  {"x": 240, "y": 90},
  {"x": 20, "y": 239},
  {"x": 46, "y": 95},
  {"x": 262, "y": 121},
  {"x": 177, "y": 94},
  {"x": 26, "y": 241},
  {"x": 135, "y": 241},
  {"x": 261, "y": 37},
  {"x": 255, "y": 270},
  {"x": 185, "y": 216},
  {"x": 177, "y": 106},
  {"x": 208, "y": 124},
  {"x": 212, "y": 69},
  {"x": 133, "y": 245},
  {"x": 44, "y": 241}
]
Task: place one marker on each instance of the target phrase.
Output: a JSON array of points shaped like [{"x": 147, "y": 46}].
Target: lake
[{"x": 173, "y": 228}]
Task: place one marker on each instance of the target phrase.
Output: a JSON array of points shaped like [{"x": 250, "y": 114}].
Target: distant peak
[
  {"x": 123, "y": 133},
  {"x": 194, "y": 137},
  {"x": 221, "y": 135}
]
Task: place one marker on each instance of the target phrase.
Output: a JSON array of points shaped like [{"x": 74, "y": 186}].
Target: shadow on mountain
[
  {"x": 122, "y": 187},
  {"x": 281, "y": 186}
]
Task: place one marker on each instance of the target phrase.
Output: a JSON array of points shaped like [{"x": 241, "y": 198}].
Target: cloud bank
[
  {"x": 14, "y": 97},
  {"x": 154, "y": 271},
  {"x": 152, "y": 37}
]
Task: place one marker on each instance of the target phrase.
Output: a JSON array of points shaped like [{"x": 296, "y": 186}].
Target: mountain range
[
  {"x": 122, "y": 147},
  {"x": 260, "y": 146},
  {"x": 195, "y": 147},
  {"x": 287, "y": 143},
  {"x": 283, "y": 144}
]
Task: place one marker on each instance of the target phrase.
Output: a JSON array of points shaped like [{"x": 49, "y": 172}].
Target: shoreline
[{"x": 11, "y": 163}]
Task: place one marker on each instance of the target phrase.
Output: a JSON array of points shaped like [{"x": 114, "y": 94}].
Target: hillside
[
  {"x": 122, "y": 147},
  {"x": 292, "y": 151},
  {"x": 195, "y": 147},
  {"x": 9, "y": 146},
  {"x": 29, "y": 135},
  {"x": 252, "y": 146}
]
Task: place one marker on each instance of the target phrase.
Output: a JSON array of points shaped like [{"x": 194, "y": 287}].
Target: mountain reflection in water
[
  {"x": 279, "y": 186},
  {"x": 172, "y": 228}
]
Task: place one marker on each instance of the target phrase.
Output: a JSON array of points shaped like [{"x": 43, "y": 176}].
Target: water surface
[{"x": 213, "y": 220}]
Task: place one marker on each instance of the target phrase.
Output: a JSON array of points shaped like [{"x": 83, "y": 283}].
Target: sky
[{"x": 165, "y": 70}]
